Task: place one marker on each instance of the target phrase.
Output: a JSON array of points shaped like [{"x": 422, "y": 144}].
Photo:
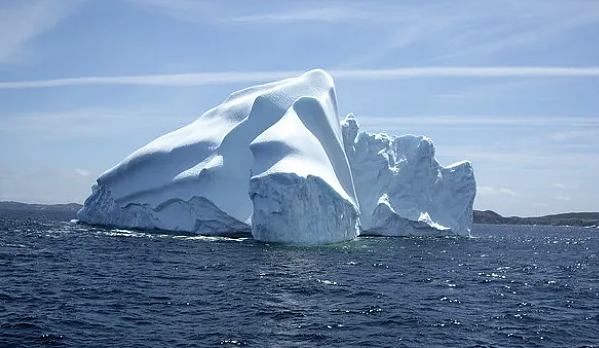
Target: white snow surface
[
  {"x": 196, "y": 179},
  {"x": 402, "y": 190}
]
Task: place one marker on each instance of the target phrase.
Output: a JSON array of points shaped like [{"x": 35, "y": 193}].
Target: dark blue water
[{"x": 67, "y": 285}]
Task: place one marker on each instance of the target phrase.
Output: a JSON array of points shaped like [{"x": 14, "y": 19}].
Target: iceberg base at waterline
[
  {"x": 298, "y": 210},
  {"x": 196, "y": 215}
]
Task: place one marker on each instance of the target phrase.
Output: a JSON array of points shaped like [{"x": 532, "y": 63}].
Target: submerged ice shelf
[{"x": 275, "y": 161}]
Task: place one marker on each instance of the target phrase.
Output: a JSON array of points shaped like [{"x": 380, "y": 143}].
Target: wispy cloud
[
  {"x": 183, "y": 5},
  {"x": 496, "y": 89},
  {"x": 82, "y": 172},
  {"x": 562, "y": 186},
  {"x": 24, "y": 20},
  {"x": 345, "y": 12},
  {"x": 91, "y": 122},
  {"x": 520, "y": 159},
  {"x": 495, "y": 71},
  {"x": 470, "y": 29},
  {"x": 193, "y": 79},
  {"x": 184, "y": 10},
  {"x": 208, "y": 78},
  {"x": 491, "y": 191},
  {"x": 573, "y": 134},
  {"x": 522, "y": 25},
  {"x": 278, "y": 13},
  {"x": 455, "y": 29},
  {"x": 474, "y": 121},
  {"x": 323, "y": 14}
]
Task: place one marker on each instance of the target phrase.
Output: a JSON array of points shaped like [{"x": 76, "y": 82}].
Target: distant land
[
  {"x": 66, "y": 212},
  {"x": 24, "y": 211},
  {"x": 564, "y": 219}
]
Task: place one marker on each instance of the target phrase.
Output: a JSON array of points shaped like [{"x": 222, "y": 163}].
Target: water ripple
[{"x": 70, "y": 285}]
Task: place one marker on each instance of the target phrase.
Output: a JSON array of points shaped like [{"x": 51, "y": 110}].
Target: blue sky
[{"x": 512, "y": 86}]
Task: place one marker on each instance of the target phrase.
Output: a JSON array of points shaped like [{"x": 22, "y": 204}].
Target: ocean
[{"x": 69, "y": 285}]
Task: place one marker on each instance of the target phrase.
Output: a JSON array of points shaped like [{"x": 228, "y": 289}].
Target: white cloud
[
  {"x": 524, "y": 24},
  {"x": 521, "y": 157},
  {"x": 493, "y": 71},
  {"x": 183, "y": 5},
  {"x": 323, "y": 14},
  {"x": 277, "y": 13},
  {"x": 491, "y": 191},
  {"x": 184, "y": 10},
  {"x": 482, "y": 120},
  {"x": 93, "y": 122},
  {"x": 460, "y": 27},
  {"x": 22, "y": 21},
  {"x": 570, "y": 135},
  {"x": 210, "y": 78},
  {"x": 83, "y": 172},
  {"x": 562, "y": 186},
  {"x": 192, "y": 79},
  {"x": 345, "y": 12},
  {"x": 464, "y": 27},
  {"x": 505, "y": 191}
]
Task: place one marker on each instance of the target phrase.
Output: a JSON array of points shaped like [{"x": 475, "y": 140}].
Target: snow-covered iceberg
[
  {"x": 402, "y": 190},
  {"x": 197, "y": 179},
  {"x": 274, "y": 160}
]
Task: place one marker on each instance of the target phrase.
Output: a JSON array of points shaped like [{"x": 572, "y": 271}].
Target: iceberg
[
  {"x": 197, "y": 178},
  {"x": 402, "y": 190},
  {"x": 275, "y": 161}
]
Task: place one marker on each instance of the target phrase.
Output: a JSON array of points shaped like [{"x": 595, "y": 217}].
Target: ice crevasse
[{"x": 275, "y": 161}]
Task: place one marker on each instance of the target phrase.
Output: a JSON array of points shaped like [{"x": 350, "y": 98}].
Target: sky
[{"x": 511, "y": 85}]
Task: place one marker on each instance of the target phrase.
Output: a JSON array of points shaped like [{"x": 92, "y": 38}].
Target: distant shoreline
[
  {"x": 68, "y": 211},
  {"x": 583, "y": 219},
  {"x": 25, "y": 211}
]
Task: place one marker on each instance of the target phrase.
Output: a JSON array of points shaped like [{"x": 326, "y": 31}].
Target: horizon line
[
  {"x": 29, "y": 202},
  {"x": 230, "y": 77}
]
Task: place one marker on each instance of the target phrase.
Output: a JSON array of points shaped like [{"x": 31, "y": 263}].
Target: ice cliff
[
  {"x": 275, "y": 161},
  {"x": 402, "y": 190}
]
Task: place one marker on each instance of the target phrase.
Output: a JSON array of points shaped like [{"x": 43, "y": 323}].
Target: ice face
[{"x": 402, "y": 189}]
